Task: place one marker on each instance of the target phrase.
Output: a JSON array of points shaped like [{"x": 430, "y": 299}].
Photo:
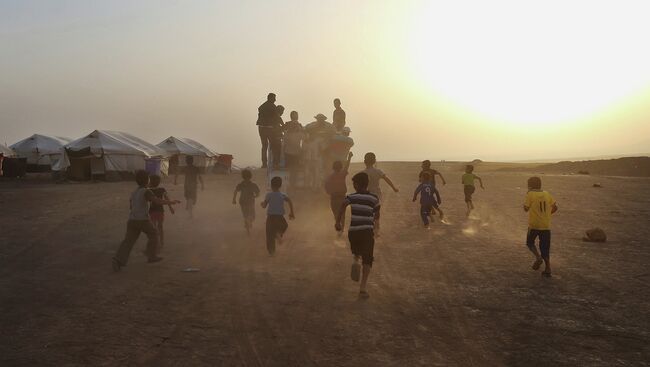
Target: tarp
[
  {"x": 102, "y": 152},
  {"x": 42, "y": 150}
]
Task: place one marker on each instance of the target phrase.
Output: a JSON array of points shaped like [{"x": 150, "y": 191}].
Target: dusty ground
[{"x": 459, "y": 295}]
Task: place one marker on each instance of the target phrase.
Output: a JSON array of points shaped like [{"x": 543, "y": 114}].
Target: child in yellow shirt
[{"x": 539, "y": 205}]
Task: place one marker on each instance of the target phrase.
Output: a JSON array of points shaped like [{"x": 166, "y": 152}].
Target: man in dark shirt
[
  {"x": 338, "y": 117},
  {"x": 265, "y": 116}
]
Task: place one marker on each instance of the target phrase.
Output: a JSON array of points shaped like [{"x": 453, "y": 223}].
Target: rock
[
  {"x": 595, "y": 235},
  {"x": 597, "y": 185},
  {"x": 582, "y": 172}
]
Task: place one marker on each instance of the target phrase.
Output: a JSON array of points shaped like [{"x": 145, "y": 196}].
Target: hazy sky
[{"x": 502, "y": 80}]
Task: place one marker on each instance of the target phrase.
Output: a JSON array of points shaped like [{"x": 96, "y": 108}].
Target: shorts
[
  {"x": 469, "y": 190},
  {"x": 291, "y": 160},
  {"x": 362, "y": 243},
  {"x": 544, "y": 240},
  {"x": 190, "y": 194},
  {"x": 248, "y": 209},
  {"x": 157, "y": 216}
]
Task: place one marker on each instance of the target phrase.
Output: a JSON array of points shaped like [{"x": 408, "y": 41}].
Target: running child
[
  {"x": 365, "y": 209},
  {"x": 540, "y": 205},
  {"x": 248, "y": 192},
  {"x": 468, "y": 186},
  {"x": 336, "y": 188},
  {"x": 139, "y": 222},
  {"x": 157, "y": 211},
  {"x": 192, "y": 177},
  {"x": 426, "y": 168},
  {"x": 374, "y": 175},
  {"x": 276, "y": 225},
  {"x": 428, "y": 200}
]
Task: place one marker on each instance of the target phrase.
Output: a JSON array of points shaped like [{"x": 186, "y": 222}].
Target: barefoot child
[
  {"x": 428, "y": 201},
  {"x": 539, "y": 205},
  {"x": 157, "y": 211},
  {"x": 468, "y": 186},
  {"x": 276, "y": 225},
  {"x": 374, "y": 175},
  {"x": 192, "y": 175},
  {"x": 336, "y": 187},
  {"x": 139, "y": 222},
  {"x": 365, "y": 208},
  {"x": 248, "y": 192}
]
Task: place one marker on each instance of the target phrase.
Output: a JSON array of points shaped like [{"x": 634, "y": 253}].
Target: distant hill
[{"x": 628, "y": 166}]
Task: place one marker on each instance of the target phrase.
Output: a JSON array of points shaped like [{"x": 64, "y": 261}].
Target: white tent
[
  {"x": 179, "y": 148},
  {"x": 43, "y": 152},
  {"x": 6, "y": 151},
  {"x": 113, "y": 155}
]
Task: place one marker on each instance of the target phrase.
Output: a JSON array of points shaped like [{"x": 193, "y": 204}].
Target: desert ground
[{"x": 461, "y": 294}]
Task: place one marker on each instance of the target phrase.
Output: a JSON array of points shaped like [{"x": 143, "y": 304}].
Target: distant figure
[
  {"x": 374, "y": 175},
  {"x": 339, "y": 146},
  {"x": 336, "y": 188},
  {"x": 265, "y": 116},
  {"x": 319, "y": 134},
  {"x": 293, "y": 141},
  {"x": 428, "y": 200},
  {"x": 157, "y": 211},
  {"x": 539, "y": 205},
  {"x": 277, "y": 128},
  {"x": 192, "y": 178},
  {"x": 468, "y": 186},
  {"x": 139, "y": 222},
  {"x": 276, "y": 225},
  {"x": 338, "y": 117},
  {"x": 365, "y": 214},
  {"x": 248, "y": 192}
]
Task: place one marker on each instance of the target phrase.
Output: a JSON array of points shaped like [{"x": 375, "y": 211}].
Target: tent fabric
[
  {"x": 173, "y": 145},
  {"x": 180, "y": 147},
  {"x": 6, "y": 151},
  {"x": 109, "y": 152},
  {"x": 104, "y": 142},
  {"x": 39, "y": 149}
]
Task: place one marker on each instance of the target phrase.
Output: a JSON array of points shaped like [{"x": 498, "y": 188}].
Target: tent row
[{"x": 109, "y": 155}]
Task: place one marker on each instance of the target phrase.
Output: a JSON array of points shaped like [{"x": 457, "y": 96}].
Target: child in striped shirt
[{"x": 365, "y": 213}]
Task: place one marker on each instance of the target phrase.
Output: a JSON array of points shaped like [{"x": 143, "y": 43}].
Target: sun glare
[{"x": 532, "y": 62}]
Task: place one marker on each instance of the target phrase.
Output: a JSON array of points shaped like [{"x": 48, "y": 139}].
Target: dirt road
[{"x": 461, "y": 294}]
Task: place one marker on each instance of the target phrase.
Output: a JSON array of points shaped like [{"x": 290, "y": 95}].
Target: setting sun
[{"x": 526, "y": 64}]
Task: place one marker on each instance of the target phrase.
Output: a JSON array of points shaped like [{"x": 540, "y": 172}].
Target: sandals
[
  {"x": 364, "y": 294},
  {"x": 355, "y": 272},
  {"x": 546, "y": 274},
  {"x": 116, "y": 265},
  {"x": 537, "y": 264}
]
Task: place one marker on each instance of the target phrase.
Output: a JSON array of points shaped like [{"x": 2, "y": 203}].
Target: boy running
[
  {"x": 374, "y": 175},
  {"x": 276, "y": 225},
  {"x": 139, "y": 222},
  {"x": 428, "y": 201},
  {"x": 192, "y": 177},
  {"x": 539, "y": 205},
  {"x": 336, "y": 188},
  {"x": 365, "y": 209},
  {"x": 468, "y": 186},
  {"x": 248, "y": 192},
  {"x": 157, "y": 211}
]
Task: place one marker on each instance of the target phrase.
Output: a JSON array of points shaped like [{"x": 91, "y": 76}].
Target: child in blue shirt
[
  {"x": 276, "y": 225},
  {"x": 429, "y": 199}
]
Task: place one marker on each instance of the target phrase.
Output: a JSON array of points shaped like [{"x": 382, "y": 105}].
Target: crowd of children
[{"x": 147, "y": 213}]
